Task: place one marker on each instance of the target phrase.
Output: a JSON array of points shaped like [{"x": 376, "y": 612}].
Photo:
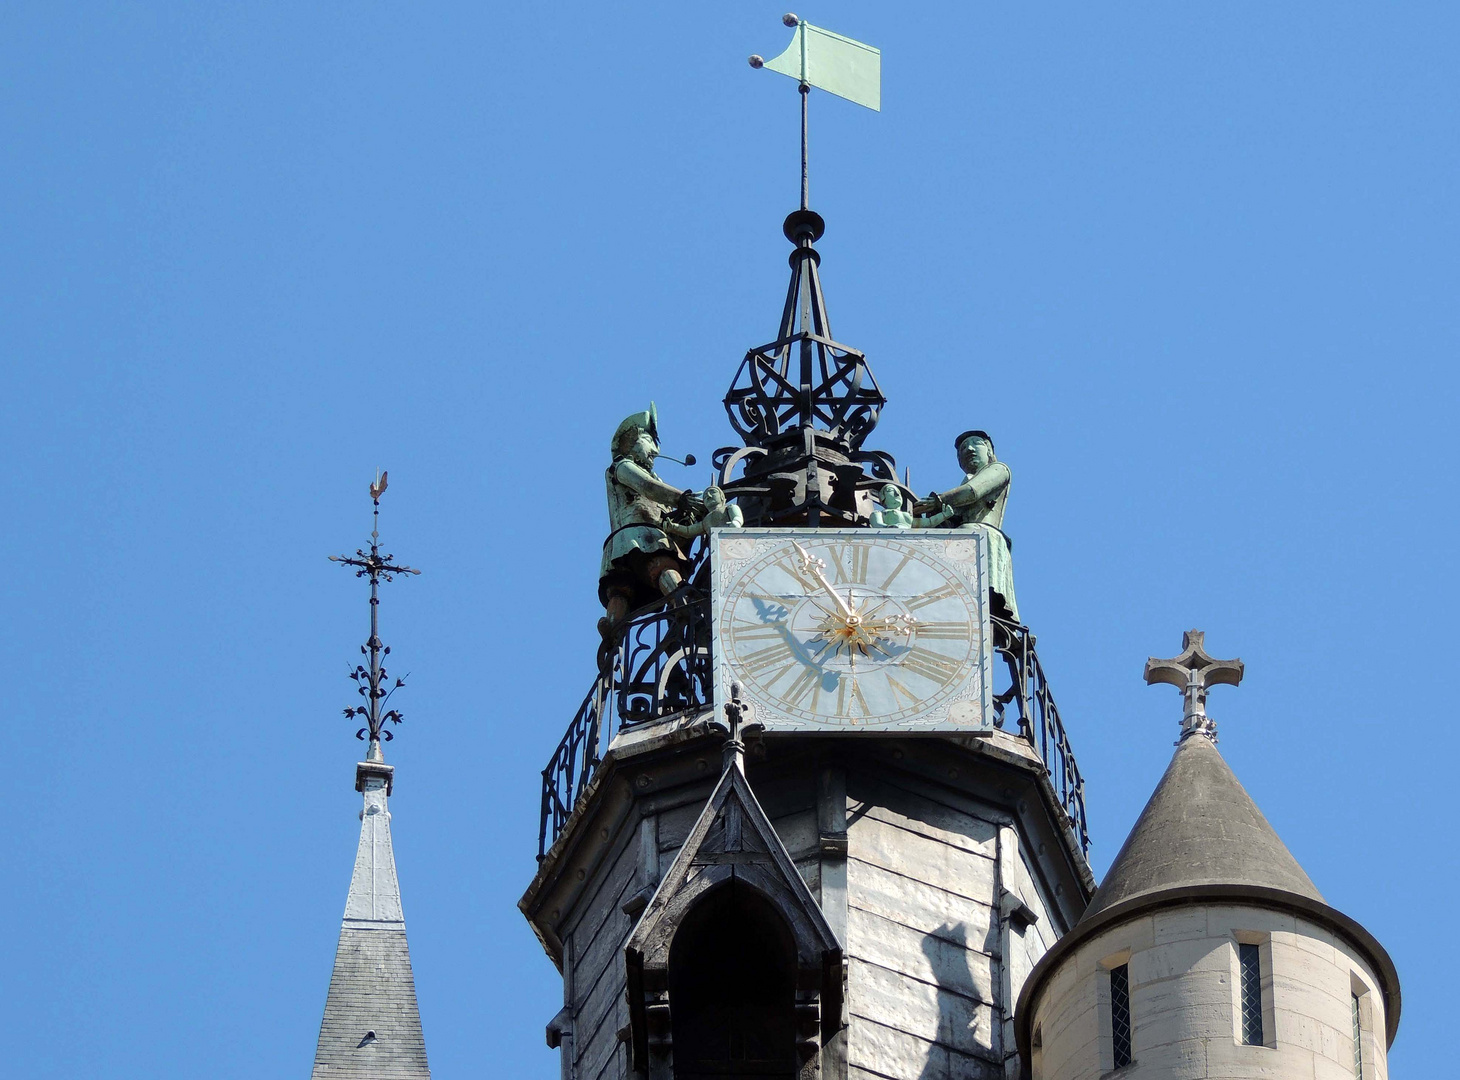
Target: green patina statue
[
  {"x": 718, "y": 515},
  {"x": 892, "y": 515},
  {"x": 978, "y": 504},
  {"x": 641, "y": 559}
]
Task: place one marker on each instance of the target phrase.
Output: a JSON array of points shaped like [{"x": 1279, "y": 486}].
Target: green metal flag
[{"x": 833, "y": 63}]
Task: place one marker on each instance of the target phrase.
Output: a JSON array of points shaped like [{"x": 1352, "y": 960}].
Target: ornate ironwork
[
  {"x": 660, "y": 666},
  {"x": 372, "y": 682},
  {"x": 573, "y": 763},
  {"x": 1028, "y": 701},
  {"x": 804, "y": 404}
]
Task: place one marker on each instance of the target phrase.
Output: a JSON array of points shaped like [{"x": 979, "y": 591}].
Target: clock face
[{"x": 845, "y": 629}]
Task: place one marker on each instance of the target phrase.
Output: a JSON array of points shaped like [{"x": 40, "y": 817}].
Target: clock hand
[{"x": 813, "y": 566}]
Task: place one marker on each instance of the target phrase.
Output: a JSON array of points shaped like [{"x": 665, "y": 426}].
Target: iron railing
[
  {"x": 1028, "y": 699},
  {"x": 661, "y": 666}
]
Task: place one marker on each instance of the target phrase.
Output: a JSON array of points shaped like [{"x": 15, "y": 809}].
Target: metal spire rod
[
  {"x": 371, "y": 681},
  {"x": 805, "y": 149}
]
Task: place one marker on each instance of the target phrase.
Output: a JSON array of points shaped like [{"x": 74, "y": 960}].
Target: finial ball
[
  {"x": 757, "y": 61},
  {"x": 790, "y": 19}
]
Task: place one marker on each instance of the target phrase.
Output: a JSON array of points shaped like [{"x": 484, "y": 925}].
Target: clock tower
[{"x": 817, "y": 814}]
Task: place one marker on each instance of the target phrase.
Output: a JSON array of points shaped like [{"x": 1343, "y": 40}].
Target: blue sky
[{"x": 1193, "y": 265}]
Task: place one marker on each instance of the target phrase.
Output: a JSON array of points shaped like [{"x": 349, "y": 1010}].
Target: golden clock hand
[{"x": 813, "y": 566}]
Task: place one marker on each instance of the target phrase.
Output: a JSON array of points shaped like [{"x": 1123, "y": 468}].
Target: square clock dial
[{"x": 830, "y": 630}]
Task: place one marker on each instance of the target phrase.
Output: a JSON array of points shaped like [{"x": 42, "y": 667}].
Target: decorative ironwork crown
[
  {"x": 373, "y": 682},
  {"x": 804, "y": 404},
  {"x": 805, "y": 378}
]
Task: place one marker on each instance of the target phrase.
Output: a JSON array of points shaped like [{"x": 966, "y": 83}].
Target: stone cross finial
[{"x": 1194, "y": 671}]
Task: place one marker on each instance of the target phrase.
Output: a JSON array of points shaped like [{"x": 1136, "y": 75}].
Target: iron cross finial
[
  {"x": 372, "y": 682},
  {"x": 1194, "y": 672}
]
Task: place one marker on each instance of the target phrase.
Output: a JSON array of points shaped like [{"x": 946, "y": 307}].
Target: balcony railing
[
  {"x": 661, "y": 667},
  {"x": 1027, "y": 700}
]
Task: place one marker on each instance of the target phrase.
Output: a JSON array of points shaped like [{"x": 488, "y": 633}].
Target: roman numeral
[
  {"x": 946, "y": 592},
  {"x": 805, "y": 683},
  {"x": 849, "y": 564},
  {"x": 764, "y": 659},
  {"x": 741, "y": 630},
  {"x": 847, "y": 687},
  {"x": 945, "y": 631},
  {"x": 895, "y": 571},
  {"x": 930, "y": 665},
  {"x": 792, "y": 568},
  {"x": 901, "y": 692}
]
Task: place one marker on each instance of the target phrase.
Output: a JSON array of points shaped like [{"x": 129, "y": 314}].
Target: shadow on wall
[{"x": 947, "y": 951}]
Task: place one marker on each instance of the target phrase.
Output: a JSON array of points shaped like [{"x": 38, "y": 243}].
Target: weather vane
[
  {"x": 836, "y": 64},
  {"x": 372, "y": 681}
]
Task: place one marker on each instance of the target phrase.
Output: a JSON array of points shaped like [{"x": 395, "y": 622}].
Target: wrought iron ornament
[
  {"x": 804, "y": 403},
  {"x": 372, "y": 682},
  {"x": 662, "y": 667}
]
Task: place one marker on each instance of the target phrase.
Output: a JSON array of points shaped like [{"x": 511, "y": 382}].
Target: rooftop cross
[
  {"x": 1194, "y": 672},
  {"x": 371, "y": 681}
]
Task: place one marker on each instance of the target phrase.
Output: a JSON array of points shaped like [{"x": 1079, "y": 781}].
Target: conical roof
[
  {"x": 1201, "y": 839},
  {"x": 1200, "y": 828}
]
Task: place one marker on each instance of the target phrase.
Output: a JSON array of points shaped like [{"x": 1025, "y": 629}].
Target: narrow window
[
  {"x": 1249, "y": 961},
  {"x": 1358, "y": 1040},
  {"x": 1120, "y": 1014}
]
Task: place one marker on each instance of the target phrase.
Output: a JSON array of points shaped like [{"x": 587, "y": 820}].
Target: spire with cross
[
  {"x": 1194, "y": 671},
  {"x": 373, "y": 682}
]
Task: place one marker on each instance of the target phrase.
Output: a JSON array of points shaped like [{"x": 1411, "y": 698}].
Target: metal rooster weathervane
[{"x": 372, "y": 681}]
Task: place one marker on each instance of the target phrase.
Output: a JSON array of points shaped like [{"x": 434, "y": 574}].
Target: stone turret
[{"x": 1208, "y": 952}]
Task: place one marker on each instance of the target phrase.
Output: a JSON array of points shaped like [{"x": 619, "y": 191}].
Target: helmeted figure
[
  {"x": 641, "y": 561},
  {"x": 978, "y": 504}
]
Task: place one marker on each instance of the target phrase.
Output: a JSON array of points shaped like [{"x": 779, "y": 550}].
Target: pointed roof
[
  {"x": 372, "y": 1025},
  {"x": 1199, "y": 828},
  {"x": 1201, "y": 839}
]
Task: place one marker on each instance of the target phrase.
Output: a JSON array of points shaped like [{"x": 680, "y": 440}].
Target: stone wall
[
  {"x": 1185, "y": 1004},
  {"x": 944, "y": 869}
]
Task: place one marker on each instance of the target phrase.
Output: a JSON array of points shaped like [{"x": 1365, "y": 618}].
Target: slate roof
[
  {"x": 372, "y": 1025},
  {"x": 1200, "y": 828}
]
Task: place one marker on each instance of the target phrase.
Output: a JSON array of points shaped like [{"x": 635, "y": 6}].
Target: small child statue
[
  {"x": 719, "y": 515},
  {"x": 892, "y": 515}
]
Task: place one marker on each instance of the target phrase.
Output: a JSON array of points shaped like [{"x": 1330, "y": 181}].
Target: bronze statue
[
  {"x": 890, "y": 514},
  {"x": 977, "y": 505},
  {"x": 718, "y": 515},
  {"x": 641, "y": 560}
]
